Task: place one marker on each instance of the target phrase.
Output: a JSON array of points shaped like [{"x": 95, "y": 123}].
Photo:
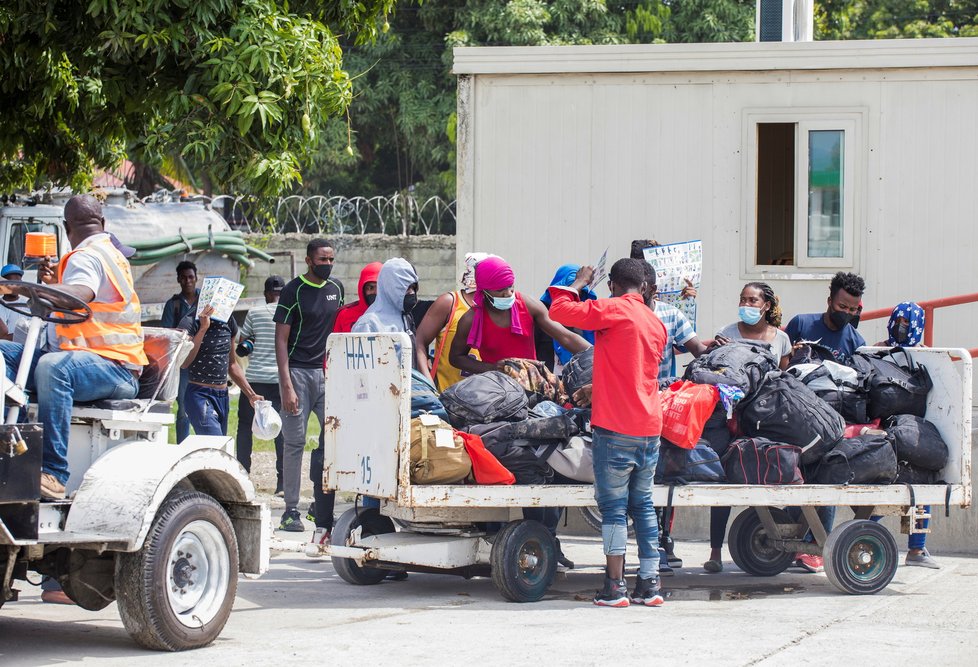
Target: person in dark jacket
[{"x": 175, "y": 309}]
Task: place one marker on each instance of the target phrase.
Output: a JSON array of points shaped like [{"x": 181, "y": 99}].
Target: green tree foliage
[
  {"x": 242, "y": 89},
  {"x": 893, "y": 19}
]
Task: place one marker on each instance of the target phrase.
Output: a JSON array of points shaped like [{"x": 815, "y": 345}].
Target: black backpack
[
  {"x": 917, "y": 442},
  {"x": 578, "y": 371},
  {"x": 760, "y": 461},
  {"x": 678, "y": 465},
  {"x": 783, "y": 409},
  {"x": 484, "y": 398},
  {"x": 737, "y": 364},
  {"x": 894, "y": 389},
  {"x": 865, "y": 459}
]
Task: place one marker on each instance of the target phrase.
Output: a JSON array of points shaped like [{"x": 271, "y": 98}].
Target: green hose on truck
[{"x": 228, "y": 243}]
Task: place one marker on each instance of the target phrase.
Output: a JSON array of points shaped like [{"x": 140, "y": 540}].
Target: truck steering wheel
[{"x": 48, "y": 303}]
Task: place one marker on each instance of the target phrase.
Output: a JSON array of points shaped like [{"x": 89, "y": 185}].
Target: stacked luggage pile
[{"x": 733, "y": 418}]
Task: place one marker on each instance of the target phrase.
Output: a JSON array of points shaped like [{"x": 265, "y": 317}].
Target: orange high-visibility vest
[{"x": 115, "y": 330}]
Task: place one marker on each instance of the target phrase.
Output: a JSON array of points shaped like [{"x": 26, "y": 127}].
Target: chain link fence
[{"x": 398, "y": 214}]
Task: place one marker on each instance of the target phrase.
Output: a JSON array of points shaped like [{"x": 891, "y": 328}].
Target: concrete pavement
[{"x": 300, "y": 611}]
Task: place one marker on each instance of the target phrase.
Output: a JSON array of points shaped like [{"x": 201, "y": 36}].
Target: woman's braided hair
[{"x": 773, "y": 315}]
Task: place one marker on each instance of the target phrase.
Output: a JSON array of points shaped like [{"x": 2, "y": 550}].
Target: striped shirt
[
  {"x": 678, "y": 332},
  {"x": 259, "y": 327}
]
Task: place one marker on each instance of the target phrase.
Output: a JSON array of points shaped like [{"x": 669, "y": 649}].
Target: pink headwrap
[{"x": 492, "y": 273}]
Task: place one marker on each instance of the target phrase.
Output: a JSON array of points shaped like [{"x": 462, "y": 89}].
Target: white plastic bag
[{"x": 267, "y": 424}]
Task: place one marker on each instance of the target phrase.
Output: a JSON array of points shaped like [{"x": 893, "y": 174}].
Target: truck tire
[
  {"x": 176, "y": 592},
  {"x": 860, "y": 557},
  {"x": 750, "y": 547},
  {"x": 523, "y": 560},
  {"x": 371, "y": 522}
]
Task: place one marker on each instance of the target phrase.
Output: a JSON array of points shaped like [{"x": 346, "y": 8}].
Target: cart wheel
[
  {"x": 750, "y": 547},
  {"x": 176, "y": 592},
  {"x": 860, "y": 557},
  {"x": 524, "y": 561},
  {"x": 592, "y": 517},
  {"x": 372, "y": 522}
]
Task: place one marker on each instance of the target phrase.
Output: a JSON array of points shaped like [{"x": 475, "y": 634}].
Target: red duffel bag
[
  {"x": 686, "y": 406},
  {"x": 486, "y": 468}
]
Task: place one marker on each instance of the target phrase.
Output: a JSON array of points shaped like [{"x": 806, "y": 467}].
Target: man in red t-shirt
[{"x": 626, "y": 420}]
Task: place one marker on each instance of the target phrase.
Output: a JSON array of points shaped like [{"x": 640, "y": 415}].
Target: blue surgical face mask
[
  {"x": 501, "y": 302},
  {"x": 750, "y": 315}
]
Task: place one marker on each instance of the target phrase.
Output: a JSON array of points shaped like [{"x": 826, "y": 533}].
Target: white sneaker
[{"x": 923, "y": 559}]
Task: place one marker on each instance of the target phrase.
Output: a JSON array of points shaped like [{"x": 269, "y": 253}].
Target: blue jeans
[
  {"x": 824, "y": 512},
  {"x": 183, "y": 422},
  {"x": 207, "y": 409},
  {"x": 915, "y": 540},
  {"x": 60, "y": 379},
  {"x": 623, "y": 470}
]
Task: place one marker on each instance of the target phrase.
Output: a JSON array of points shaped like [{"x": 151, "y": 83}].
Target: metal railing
[
  {"x": 396, "y": 215},
  {"x": 929, "y": 307}
]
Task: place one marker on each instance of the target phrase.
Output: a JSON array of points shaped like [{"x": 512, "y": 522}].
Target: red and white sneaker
[{"x": 810, "y": 563}]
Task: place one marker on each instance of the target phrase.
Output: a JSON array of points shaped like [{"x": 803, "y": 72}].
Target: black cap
[{"x": 274, "y": 284}]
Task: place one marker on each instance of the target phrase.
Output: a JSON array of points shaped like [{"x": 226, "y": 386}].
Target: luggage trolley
[{"x": 367, "y": 452}]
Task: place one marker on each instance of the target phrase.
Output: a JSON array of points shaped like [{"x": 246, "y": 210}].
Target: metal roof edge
[{"x": 730, "y": 56}]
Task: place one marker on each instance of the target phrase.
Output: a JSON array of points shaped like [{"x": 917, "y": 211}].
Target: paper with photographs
[{"x": 674, "y": 264}]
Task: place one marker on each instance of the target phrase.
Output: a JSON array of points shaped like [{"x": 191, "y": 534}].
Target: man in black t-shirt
[
  {"x": 209, "y": 364},
  {"x": 303, "y": 320}
]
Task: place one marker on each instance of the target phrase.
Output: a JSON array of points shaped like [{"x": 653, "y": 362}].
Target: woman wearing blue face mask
[{"x": 760, "y": 319}]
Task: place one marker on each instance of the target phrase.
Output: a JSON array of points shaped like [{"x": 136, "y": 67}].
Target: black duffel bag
[
  {"x": 865, "y": 459},
  {"x": 678, "y": 465},
  {"x": 737, "y": 364},
  {"x": 908, "y": 474},
  {"x": 844, "y": 388},
  {"x": 760, "y": 461},
  {"x": 894, "y": 389},
  {"x": 526, "y": 459},
  {"x": 783, "y": 409},
  {"x": 917, "y": 441},
  {"x": 484, "y": 398}
]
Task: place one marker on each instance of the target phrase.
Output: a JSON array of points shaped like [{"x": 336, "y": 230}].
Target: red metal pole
[{"x": 929, "y": 326}]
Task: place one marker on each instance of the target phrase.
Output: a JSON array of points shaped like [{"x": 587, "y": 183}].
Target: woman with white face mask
[{"x": 760, "y": 319}]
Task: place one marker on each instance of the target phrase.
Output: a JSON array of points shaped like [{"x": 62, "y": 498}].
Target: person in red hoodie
[
  {"x": 626, "y": 419},
  {"x": 366, "y": 291}
]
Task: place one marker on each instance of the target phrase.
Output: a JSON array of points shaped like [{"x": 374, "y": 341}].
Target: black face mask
[
  {"x": 410, "y": 301},
  {"x": 902, "y": 333},
  {"x": 322, "y": 271},
  {"x": 839, "y": 319},
  {"x": 370, "y": 298},
  {"x": 855, "y": 321}
]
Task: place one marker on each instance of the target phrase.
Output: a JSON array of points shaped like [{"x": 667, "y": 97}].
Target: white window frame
[
  {"x": 802, "y": 258},
  {"x": 851, "y": 121}
]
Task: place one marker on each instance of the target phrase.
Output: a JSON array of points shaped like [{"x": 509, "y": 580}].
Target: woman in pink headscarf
[{"x": 500, "y": 323}]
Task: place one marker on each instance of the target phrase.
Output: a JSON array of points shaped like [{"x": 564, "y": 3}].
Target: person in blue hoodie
[{"x": 549, "y": 351}]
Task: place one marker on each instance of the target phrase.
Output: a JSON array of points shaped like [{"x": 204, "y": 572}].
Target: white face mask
[{"x": 502, "y": 302}]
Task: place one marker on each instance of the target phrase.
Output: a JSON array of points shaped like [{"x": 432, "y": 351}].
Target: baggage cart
[{"x": 440, "y": 528}]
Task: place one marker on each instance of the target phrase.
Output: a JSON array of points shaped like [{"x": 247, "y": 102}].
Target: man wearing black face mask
[
  {"x": 304, "y": 319},
  {"x": 833, "y": 328}
]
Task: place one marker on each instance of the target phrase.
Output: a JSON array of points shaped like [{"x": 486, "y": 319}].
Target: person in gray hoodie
[{"x": 397, "y": 295}]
